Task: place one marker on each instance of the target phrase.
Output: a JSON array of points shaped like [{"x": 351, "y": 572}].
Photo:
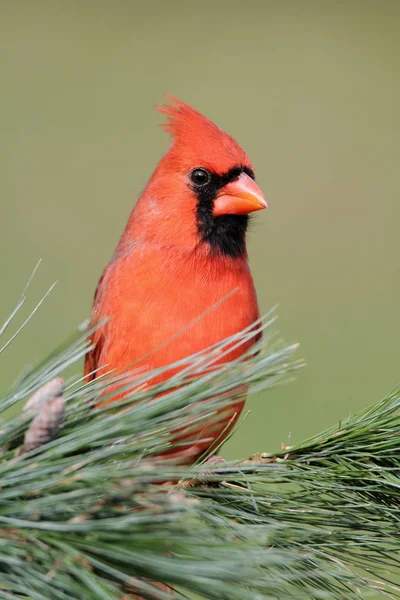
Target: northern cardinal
[{"x": 183, "y": 250}]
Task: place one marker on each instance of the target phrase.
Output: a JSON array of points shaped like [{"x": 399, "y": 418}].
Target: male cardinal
[{"x": 183, "y": 251}]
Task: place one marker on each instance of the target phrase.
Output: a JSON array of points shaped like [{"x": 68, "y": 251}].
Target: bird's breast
[{"x": 162, "y": 307}]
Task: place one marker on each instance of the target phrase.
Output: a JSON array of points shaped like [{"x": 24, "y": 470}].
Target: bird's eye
[{"x": 200, "y": 177}]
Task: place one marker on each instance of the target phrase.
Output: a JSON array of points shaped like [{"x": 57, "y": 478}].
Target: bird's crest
[{"x": 199, "y": 139}]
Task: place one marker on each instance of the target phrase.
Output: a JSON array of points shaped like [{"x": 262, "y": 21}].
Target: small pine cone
[
  {"x": 48, "y": 391},
  {"x": 45, "y": 425}
]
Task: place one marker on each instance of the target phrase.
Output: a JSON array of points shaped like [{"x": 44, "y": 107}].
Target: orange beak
[{"x": 239, "y": 197}]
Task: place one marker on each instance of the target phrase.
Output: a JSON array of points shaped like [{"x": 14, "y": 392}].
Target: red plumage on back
[{"x": 183, "y": 251}]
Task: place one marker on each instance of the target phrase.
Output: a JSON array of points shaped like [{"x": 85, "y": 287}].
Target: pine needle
[{"x": 84, "y": 515}]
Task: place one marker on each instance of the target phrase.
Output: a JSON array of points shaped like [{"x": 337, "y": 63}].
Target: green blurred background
[{"x": 310, "y": 89}]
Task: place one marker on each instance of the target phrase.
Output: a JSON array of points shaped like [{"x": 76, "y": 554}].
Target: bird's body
[
  {"x": 179, "y": 280},
  {"x": 176, "y": 311}
]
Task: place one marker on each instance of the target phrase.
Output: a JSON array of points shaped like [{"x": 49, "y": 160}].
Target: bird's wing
[
  {"x": 96, "y": 339},
  {"x": 93, "y": 357}
]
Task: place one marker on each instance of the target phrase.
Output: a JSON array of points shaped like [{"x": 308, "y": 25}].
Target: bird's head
[{"x": 203, "y": 187}]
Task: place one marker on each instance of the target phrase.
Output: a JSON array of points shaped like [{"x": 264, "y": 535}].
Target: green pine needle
[{"x": 85, "y": 516}]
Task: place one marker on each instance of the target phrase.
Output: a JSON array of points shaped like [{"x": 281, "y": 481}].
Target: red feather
[{"x": 162, "y": 276}]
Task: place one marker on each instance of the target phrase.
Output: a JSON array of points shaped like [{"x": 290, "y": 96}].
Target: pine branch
[
  {"x": 341, "y": 489},
  {"x": 83, "y": 515}
]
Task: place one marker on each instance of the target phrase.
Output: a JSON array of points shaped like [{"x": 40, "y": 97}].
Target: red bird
[{"x": 182, "y": 251}]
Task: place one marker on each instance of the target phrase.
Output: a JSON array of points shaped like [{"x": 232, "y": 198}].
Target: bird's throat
[{"x": 225, "y": 235}]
